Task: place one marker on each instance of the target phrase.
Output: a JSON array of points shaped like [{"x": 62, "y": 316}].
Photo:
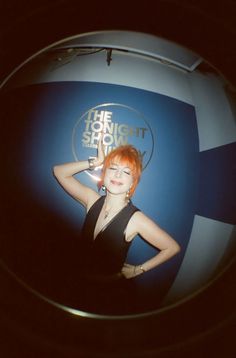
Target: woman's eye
[{"x": 126, "y": 172}]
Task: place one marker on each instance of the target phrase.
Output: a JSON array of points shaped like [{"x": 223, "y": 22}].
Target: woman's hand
[
  {"x": 130, "y": 271},
  {"x": 101, "y": 152}
]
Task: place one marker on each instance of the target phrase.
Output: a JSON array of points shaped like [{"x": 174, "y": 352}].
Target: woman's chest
[{"x": 103, "y": 222}]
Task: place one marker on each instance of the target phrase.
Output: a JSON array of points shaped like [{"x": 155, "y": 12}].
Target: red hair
[{"x": 125, "y": 155}]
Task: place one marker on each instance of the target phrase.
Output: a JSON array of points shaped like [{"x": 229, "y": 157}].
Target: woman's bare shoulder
[
  {"x": 137, "y": 216},
  {"x": 93, "y": 196},
  {"x": 131, "y": 230},
  {"x": 139, "y": 223}
]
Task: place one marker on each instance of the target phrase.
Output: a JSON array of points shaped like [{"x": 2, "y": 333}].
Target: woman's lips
[{"x": 115, "y": 182}]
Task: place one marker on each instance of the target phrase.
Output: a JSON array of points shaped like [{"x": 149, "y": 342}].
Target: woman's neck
[
  {"x": 115, "y": 201},
  {"x": 113, "y": 204}
]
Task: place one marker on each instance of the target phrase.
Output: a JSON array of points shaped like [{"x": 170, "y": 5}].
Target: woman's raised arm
[{"x": 65, "y": 176}]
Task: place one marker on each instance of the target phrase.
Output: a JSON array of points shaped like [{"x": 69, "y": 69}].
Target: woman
[{"x": 112, "y": 221}]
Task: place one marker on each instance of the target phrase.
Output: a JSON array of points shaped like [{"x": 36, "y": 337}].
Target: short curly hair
[{"x": 125, "y": 155}]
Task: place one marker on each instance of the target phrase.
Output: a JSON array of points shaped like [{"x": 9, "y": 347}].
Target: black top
[{"x": 108, "y": 251}]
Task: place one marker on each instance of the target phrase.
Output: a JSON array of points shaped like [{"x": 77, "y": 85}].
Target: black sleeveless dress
[
  {"x": 108, "y": 251},
  {"x": 103, "y": 289}
]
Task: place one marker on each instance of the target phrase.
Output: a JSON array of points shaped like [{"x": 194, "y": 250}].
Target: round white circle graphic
[{"x": 120, "y": 124}]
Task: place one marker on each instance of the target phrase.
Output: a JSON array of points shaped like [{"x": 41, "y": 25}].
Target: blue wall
[
  {"x": 217, "y": 185},
  {"x": 47, "y": 114}
]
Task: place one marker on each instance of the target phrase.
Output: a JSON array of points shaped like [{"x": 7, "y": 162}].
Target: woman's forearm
[
  {"x": 70, "y": 169},
  {"x": 130, "y": 271},
  {"x": 160, "y": 258},
  {"x": 64, "y": 174}
]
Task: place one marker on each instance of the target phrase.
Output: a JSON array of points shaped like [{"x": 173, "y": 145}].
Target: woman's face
[{"x": 118, "y": 178}]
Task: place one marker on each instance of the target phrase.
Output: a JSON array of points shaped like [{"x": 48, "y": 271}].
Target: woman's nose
[{"x": 118, "y": 173}]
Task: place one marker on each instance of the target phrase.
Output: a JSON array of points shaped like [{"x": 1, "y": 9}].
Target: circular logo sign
[{"x": 120, "y": 124}]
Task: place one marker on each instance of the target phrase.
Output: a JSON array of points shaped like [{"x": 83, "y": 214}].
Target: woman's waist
[{"x": 103, "y": 276}]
